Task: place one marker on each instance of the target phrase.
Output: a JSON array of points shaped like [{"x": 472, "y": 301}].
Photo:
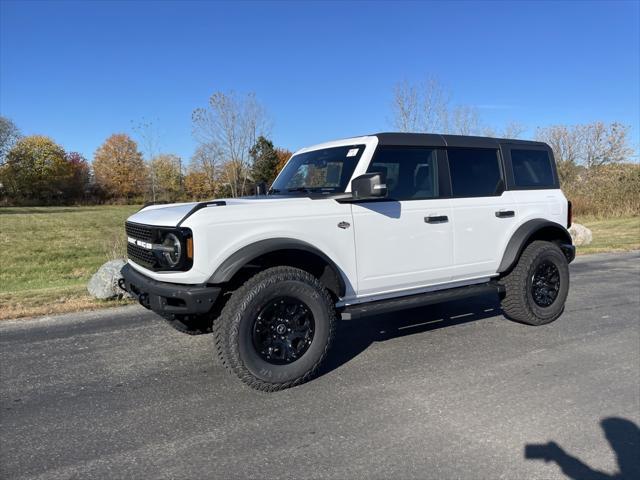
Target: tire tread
[
  {"x": 515, "y": 302},
  {"x": 225, "y": 328}
]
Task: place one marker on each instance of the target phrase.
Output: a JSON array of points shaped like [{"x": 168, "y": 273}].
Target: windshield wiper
[
  {"x": 273, "y": 190},
  {"x": 302, "y": 189}
]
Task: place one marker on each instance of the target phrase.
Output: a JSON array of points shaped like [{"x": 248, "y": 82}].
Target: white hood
[{"x": 169, "y": 215}]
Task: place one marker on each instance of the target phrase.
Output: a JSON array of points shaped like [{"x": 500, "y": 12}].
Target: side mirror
[{"x": 369, "y": 185}]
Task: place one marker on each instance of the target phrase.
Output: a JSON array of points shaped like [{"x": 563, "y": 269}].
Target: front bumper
[{"x": 168, "y": 298}]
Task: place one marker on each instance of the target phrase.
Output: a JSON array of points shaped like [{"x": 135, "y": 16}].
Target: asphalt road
[{"x": 451, "y": 391}]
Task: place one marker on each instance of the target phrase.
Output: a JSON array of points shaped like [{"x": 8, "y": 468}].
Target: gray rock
[
  {"x": 104, "y": 283},
  {"x": 580, "y": 234}
]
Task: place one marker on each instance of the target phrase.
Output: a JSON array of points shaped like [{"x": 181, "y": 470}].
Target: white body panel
[
  {"x": 478, "y": 233},
  {"x": 387, "y": 250},
  {"x": 220, "y": 231},
  {"x": 397, "y": 249},
  {"x": 162, "y": 215}
]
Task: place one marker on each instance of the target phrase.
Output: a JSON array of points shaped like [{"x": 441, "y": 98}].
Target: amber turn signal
[{"x": 190, "y": 248}]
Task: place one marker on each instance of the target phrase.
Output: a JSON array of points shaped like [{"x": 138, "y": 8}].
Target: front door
[{"x": 404, "y": 241}]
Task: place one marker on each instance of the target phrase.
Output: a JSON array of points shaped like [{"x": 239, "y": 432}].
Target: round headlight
[{"x": 174, "y": 252}]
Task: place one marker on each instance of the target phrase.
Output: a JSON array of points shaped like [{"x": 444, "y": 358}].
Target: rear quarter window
[{"x": 532, "y": 169}]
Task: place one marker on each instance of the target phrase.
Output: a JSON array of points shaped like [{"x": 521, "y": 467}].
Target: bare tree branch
[
  {"x": 420, "y": 108},
  {"x": 149, "y": 139},
  {"x": 513, "y": 129},
  {"x": 231, "y": 124},
  {"x": 9, "y": 135},
  {"x": 465, "y": 120},
  {"x": 590, "y": 145},
  {"x": 405, "y": 107}
]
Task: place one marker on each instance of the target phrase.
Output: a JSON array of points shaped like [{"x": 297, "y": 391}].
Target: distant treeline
[
  {"x": 35, "y": 170},
  {"x": 595, "y": 167},
  {"x": 595, "y": 160}
]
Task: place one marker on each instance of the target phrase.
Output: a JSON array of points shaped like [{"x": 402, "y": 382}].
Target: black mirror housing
[{"x": 368, "y": 186}]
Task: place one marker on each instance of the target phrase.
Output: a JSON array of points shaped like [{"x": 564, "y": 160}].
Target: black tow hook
[{"x": 143, "y": 298}]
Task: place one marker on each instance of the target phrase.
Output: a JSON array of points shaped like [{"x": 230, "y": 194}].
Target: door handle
[
  {"x": 505, "y": 213},
  {"x": 436, "y": 219}
]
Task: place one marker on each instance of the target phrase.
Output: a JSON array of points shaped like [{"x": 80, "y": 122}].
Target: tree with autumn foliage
[
  {"x": 283, "y": 157},
  {"x": 198, "y": 185},
  {"x": 119, "y": 169},
  {"x": 167, "y": 170},
  {"x": 36, "y": 171},
  {"x": 201, "y": 181},
  {"x": 78, "y": 185}
]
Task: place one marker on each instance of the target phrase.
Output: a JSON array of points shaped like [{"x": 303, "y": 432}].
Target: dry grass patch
[
  {"x": 51, "y": 253},
  {"x": 611, "y": 234},
  {"x": 35, "y": 303}
]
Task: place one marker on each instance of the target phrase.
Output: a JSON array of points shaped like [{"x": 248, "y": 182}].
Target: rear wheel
[
  {"x": 276, "y": 329},
  {"x": 537, "y": 287}
]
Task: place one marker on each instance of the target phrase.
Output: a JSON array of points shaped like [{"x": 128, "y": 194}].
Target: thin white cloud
[{"x": 494, "y": 106}]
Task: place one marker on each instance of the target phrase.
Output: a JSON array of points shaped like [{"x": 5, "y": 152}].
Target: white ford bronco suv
[{"x": 350, "y": 228}]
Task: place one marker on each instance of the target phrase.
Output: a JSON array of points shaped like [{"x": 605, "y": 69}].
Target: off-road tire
[
  {"x": 233, "y": 337},
  {"x": 518, "y": 303}
]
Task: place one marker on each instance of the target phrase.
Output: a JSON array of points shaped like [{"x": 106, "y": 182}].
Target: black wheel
[
  {"x": 537, "y": 287},
  {"x": 276, "y": 329}
]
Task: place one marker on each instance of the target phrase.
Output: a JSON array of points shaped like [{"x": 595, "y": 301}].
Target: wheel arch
[
  {"x": 282, "y": 251},
  {"x": 536, "y": 229}
]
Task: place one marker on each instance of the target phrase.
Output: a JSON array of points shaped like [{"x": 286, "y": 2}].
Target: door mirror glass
[{"x": 368, "y": 186}]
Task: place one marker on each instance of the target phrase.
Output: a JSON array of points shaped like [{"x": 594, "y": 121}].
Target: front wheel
[
  {"x": 276, "y": 330},
  {"x": 537, "y": 287}
]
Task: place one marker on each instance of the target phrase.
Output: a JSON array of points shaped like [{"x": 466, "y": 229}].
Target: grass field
[
  {"x": 611, "y": 234},
  {"x": 49, "y": 253}
]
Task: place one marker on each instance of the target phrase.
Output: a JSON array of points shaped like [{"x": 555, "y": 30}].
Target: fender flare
[
  {"x": 245, "y": 255},
  {"x": 525, "y": 232}
]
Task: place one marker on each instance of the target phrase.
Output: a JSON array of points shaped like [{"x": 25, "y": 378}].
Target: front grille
[
  {"x": 141, "y": 255},
  {"x": 139, "y": 232},
  {"x": 154, "y": 235}
]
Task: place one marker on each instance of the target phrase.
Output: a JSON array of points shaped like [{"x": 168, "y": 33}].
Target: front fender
[{"x": 229, "y": 267}]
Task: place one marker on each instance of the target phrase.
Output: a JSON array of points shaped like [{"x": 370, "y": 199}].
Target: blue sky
[{"x": 79, "y": 71}]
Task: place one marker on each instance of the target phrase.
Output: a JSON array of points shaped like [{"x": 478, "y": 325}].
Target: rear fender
[{"x": 537, "y": 229}]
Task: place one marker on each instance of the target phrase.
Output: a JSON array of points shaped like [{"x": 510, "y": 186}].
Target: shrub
[{"x": 606, "y": 191}]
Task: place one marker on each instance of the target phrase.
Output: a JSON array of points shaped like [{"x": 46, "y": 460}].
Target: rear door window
[
  {"x": 474, "y": 172},
  {"x": 532, "y": 168}
]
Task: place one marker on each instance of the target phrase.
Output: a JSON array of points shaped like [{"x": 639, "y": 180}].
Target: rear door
[
  {"x": 483, "y": 213},
  {"x": 531, "y": 174},
  {"x": 405, "y": 241}
]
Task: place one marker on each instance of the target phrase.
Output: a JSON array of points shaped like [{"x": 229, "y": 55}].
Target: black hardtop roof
[{"x": 438, "y": 140}]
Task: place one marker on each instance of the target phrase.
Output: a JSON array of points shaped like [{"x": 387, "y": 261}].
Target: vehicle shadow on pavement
[
  {"x": 624, "y": 438},
  {"x": 355, "y": 336}
]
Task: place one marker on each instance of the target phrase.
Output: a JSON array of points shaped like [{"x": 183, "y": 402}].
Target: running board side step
[{"x": 353, "y": 312}]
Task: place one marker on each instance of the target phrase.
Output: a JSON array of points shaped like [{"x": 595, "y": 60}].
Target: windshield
[{"x": 319, "y": 171}]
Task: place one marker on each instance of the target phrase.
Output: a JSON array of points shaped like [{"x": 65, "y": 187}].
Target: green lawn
[
  {"x": 49, "y": 253},
  {"x": 611, "y": 234}
]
